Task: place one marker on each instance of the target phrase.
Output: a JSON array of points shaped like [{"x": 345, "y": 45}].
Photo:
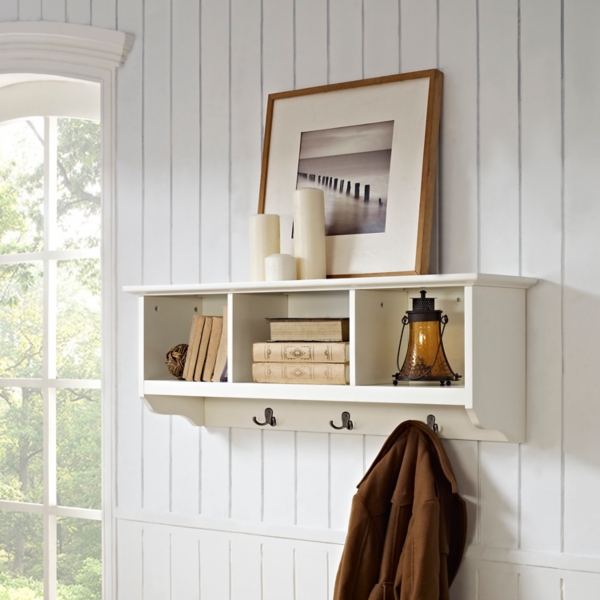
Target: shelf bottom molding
[{"x": 315, "y": 416}]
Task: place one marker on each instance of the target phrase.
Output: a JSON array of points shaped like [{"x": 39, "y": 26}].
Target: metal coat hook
[
  {"x": 346, "y": 422},
  {"x": 432, "y": 424},
  {"x": 269, "y": 418}
]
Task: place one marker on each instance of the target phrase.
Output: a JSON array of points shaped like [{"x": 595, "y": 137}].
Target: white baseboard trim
[
  {"x": 288, "y": 532},
  {"x": 563, "y": 562}
]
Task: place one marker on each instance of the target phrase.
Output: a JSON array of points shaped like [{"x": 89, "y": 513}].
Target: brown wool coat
[{"x": 408, "y": 524}]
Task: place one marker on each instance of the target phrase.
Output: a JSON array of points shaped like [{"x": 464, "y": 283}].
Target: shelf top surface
[{"x": 356, "y": 283}]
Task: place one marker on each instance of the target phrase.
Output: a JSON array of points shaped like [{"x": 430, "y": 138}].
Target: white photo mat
[{"x": 406, "y": 103}]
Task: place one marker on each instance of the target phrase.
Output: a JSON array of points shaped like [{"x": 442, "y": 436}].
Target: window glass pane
[
  {"x": 78, "y": 202},
  {"x": 22, "y": 186},
  {"x": 21, "y": 418},
  {"x": 21, "y": 314},
  {"x": 78, "y": 448},
  {"x": 78, "y": 319},
  {"x": 21, "y": 556},
  {"x": 79, "y": 546}
]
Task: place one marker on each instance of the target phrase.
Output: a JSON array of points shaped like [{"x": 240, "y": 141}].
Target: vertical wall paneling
[
  {"x": 541, "y": 225},
  {"x": 499, "y": 495},
  {"x": 30, "y": 10},
  {"x": 185, "y": 467},
  {"x": 185, "y": 565},
  {"x": 9, "y": 10},
  {"x": 246, "y": 474},
  {"x": 312, "y": 495},
  {"x": 157, "y": 562},
  {"x": 581, "y": 276},
  {"x": 465, "y": 462},
  {"x": 157, "y": 221},
  {"x": 278, "y": 37},
  {"x": 540, "y": 583},
  {"x": 129, "y": 184},
  {"x": 130, "y": 560},
  {"x": 311, "y": 38},
  {"x": 499, "y": 583},
  {"x": 185, "y": 132},
  {"x": 279, "y": 477},
  {"x": 215, "y": 467},
  {"x": 246, "y": 569},
  {"x": 246, "y": 131},
  {"x": 79, "y": 12},
  {"x": 215, "y": 567},
  {"x": 52, "y": 10},
  {"x": 458, "y": 173},
  {"x": 157, "y": 142},
  {"x": 499, "y": 137},
  {"x": 312, "y": 574},
  {"x": 372, "y": 446},
  {"x": 381, "y": 43},
  {"x": 215, "y": 149},
  {"x": 419, "y": 30},
  {"x": 345, "y": 40},
  {"x": 104, "y": 13},
  {"x": 333, "y": 562},
  {"x": 278, "y": 572},
  {"x": 580, "y": 586},
  {"x": 345, "y": 471}
]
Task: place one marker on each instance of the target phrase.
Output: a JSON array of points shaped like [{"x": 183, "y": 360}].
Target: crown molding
[{"x": 64, "y": 43}]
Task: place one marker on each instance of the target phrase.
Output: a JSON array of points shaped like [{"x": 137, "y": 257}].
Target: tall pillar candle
[
  {"x": 309, "y": 233},
  {"x": 264, "y": 241}
]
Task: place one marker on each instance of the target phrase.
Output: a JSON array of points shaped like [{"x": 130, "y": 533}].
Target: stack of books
[
  {"x": 207, "y": 349},
  {"x": 303, "y": 351}
]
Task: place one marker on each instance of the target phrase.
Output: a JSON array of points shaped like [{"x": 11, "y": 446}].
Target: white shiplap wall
[{"x": 224, "y": 514}]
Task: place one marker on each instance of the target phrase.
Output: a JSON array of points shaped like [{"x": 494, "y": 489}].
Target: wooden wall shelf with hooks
[{"x": 485, "y": 341}]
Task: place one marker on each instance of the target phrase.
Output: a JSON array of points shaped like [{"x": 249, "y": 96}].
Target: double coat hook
[
  {"x": 346, "y": 422},
  {"x": 269, "y": 418}
]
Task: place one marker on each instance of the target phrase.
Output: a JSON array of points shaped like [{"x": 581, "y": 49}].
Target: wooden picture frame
[{"x": 348, "y": 127}]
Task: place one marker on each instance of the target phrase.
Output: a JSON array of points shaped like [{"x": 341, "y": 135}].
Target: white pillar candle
[
  {"x": 309, "y": 233},
  {"x": 264, "y": 241},
  {"x": 280, "y": 267}
]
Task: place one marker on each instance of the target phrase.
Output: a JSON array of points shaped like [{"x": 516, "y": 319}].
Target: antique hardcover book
[
  {"x": 193, "y": 345},
  {"x": 309, "y": 330},
  {"x": 213, "y": 347},
  {"x": 315, "y": 373},
  {"x": 222, "y": 352},
  {"x": 316, "y": 352},
  {"x": 203, "y": 348}
]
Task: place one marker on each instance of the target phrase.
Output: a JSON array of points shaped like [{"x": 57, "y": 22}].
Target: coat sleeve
[
  {"x": 418, "y": 576},
  {"x": 359, "y": 567}
]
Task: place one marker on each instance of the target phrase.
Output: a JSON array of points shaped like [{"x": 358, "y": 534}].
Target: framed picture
[{"x": 371, "y": 146}]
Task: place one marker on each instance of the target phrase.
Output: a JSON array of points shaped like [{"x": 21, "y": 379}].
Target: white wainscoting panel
[{"x": 518, "y": 194}]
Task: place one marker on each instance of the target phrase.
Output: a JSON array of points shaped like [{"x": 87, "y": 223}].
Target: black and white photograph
[{"x": 352, "y": 167}]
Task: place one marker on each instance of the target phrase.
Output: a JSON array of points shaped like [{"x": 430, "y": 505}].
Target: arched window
[
  {"x": 50, "y": 336},
  {"x": 58, "y": 117}
]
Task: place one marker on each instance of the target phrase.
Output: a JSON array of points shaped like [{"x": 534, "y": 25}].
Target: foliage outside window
[{"x": 50, "y": 324}]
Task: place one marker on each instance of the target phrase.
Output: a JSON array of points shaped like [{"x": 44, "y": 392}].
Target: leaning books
[{"x": 311, "y": 373}]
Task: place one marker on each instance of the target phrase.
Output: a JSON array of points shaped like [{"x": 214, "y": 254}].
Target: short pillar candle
[
  {"x": 309, "y": 233},
  {"x": 280, "y": 267},
  {"x": 264, "y": 241}
]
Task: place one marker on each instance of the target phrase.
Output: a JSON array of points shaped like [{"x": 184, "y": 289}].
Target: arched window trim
[{"x": 89, "y": 54}]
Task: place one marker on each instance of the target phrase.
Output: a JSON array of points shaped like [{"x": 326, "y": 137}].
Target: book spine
[
  {"x": 319, "y": 352},
  {"x": 311, "y": 373}
]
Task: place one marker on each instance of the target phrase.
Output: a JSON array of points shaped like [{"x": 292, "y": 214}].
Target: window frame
[{"x": 89, "y": 54}]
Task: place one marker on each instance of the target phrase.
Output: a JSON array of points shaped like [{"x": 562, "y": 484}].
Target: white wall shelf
[{"x": 484, "y": 341}]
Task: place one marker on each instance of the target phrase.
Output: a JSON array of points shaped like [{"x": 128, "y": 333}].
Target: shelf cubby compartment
[{"x": 485, "y": 342}]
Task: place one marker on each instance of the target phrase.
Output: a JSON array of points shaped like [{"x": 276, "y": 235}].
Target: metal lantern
[{"x": 425, "y": 357}]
